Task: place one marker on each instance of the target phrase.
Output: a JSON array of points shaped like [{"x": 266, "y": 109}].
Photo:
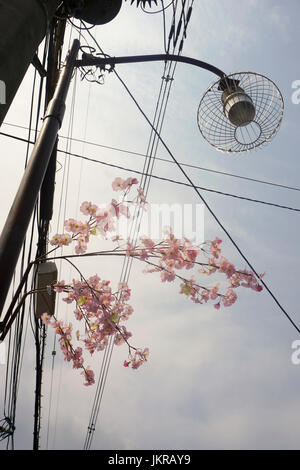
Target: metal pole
[
  {"x": 90, "y": 60},
  {"x": 16, "y": 225}
]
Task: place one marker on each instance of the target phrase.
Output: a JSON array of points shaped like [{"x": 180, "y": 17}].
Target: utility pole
[
  {"x": 23, "y": 25},
  {"x": 55, "y": 41},
  {"x": 16, "y": 224}
]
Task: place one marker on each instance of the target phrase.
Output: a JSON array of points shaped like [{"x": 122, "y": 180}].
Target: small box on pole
[{"x": 45, "y": 297}]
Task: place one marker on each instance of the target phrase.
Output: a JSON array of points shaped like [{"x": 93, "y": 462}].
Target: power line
[
  {"x": 150, "y": 157},
  {"x": 188, "y": 165},
  {"x": 149, "y": 160},
  {"x": 168, "y": 180},
  {"x": 212, "y": 212},
  {"x": 18, "y": 338}
]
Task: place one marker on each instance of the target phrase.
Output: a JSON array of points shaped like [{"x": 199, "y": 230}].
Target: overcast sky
[{"x": 215, "y": 379}]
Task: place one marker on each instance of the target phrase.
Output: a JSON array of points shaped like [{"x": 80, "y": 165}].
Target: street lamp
[
  {"x": 237, "y": 113},
  {"x": 240, "y": 112},
  {"x": 237, "y": 105}
]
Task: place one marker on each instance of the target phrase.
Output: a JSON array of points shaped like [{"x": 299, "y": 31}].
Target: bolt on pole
[{"x": 15, "y": 228}]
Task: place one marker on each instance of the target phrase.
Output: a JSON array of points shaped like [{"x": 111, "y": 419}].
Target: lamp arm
[{"x": 89, "y": 60}]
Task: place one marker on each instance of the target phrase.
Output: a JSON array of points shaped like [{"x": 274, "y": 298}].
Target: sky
[{"x": 214, "y": 379}]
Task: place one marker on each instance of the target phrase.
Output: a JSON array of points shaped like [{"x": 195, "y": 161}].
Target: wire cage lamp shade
[{"x": 240, "y": 112}]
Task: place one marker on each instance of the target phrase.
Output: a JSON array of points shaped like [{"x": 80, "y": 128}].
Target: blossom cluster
[
  {"x": 65, "y": 342},
  {"x": 103, "y": 311},
  {"x": 100, "y": 221},
  {"x": 173, "y": 255},
  {"x": 137, "y": 359}
]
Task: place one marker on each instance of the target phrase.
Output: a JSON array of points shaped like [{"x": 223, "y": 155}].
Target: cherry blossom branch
[{"x": 102, "y": 309}]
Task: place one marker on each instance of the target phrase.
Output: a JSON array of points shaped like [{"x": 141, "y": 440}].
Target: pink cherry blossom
[
  {"x": 89, "y": 375},
  {"x": 103, "y": 311},
  {"x": 59, "y": 286},
  {"x": 88, "y": 208},
  {"x": 124, "y": 210},
  {"x": 139, "y": 358},
  {"x": 214, "y": 291},
  {"x": 61, "y": 239},
  {"x": 229, "y": 298},
  {"x": 46, "y": 318},
  {"x": 167, "y": 276},
  {"x": 118, "y": 184},
  {"x": 215, "y": 247},
  {"x": 80, "y": 248},
  {"x": 129, "y": 182}
]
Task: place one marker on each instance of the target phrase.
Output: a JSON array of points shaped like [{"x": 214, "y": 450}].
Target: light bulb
[{"x": 238, "y": 106}]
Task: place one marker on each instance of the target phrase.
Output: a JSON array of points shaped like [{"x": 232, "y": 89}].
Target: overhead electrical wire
[
  {"x": 127, "y": 264},
  {"x": 187, "y": 165},
  {"x": 157, "y": 123},
  {"x": 170, "y": 180},
  {"x": 250, "y": 265},
  {"x": 63, "y": 199},
  {"x": 11, "y": 390},
  {"x": 56, "y": 38},
  {"x": 61, "y": 218},
  {"x": 100, "y": 385},
  {"x": 17, "y": 344},
  {"x": 163, "y": 9},
  {"x": 109, "y": 348},
  {"x": 103, "y": 371}
]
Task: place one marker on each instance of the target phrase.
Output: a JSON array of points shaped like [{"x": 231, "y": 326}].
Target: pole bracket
[{"x": 38, "y": 66}]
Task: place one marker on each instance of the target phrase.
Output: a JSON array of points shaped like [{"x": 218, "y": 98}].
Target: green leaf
[
  {"x": 115, "y": 317},
  {"x": 82, "y": 300},
  {"x": 185, "y": 289},
  {"x": 94, "y": 231}
]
